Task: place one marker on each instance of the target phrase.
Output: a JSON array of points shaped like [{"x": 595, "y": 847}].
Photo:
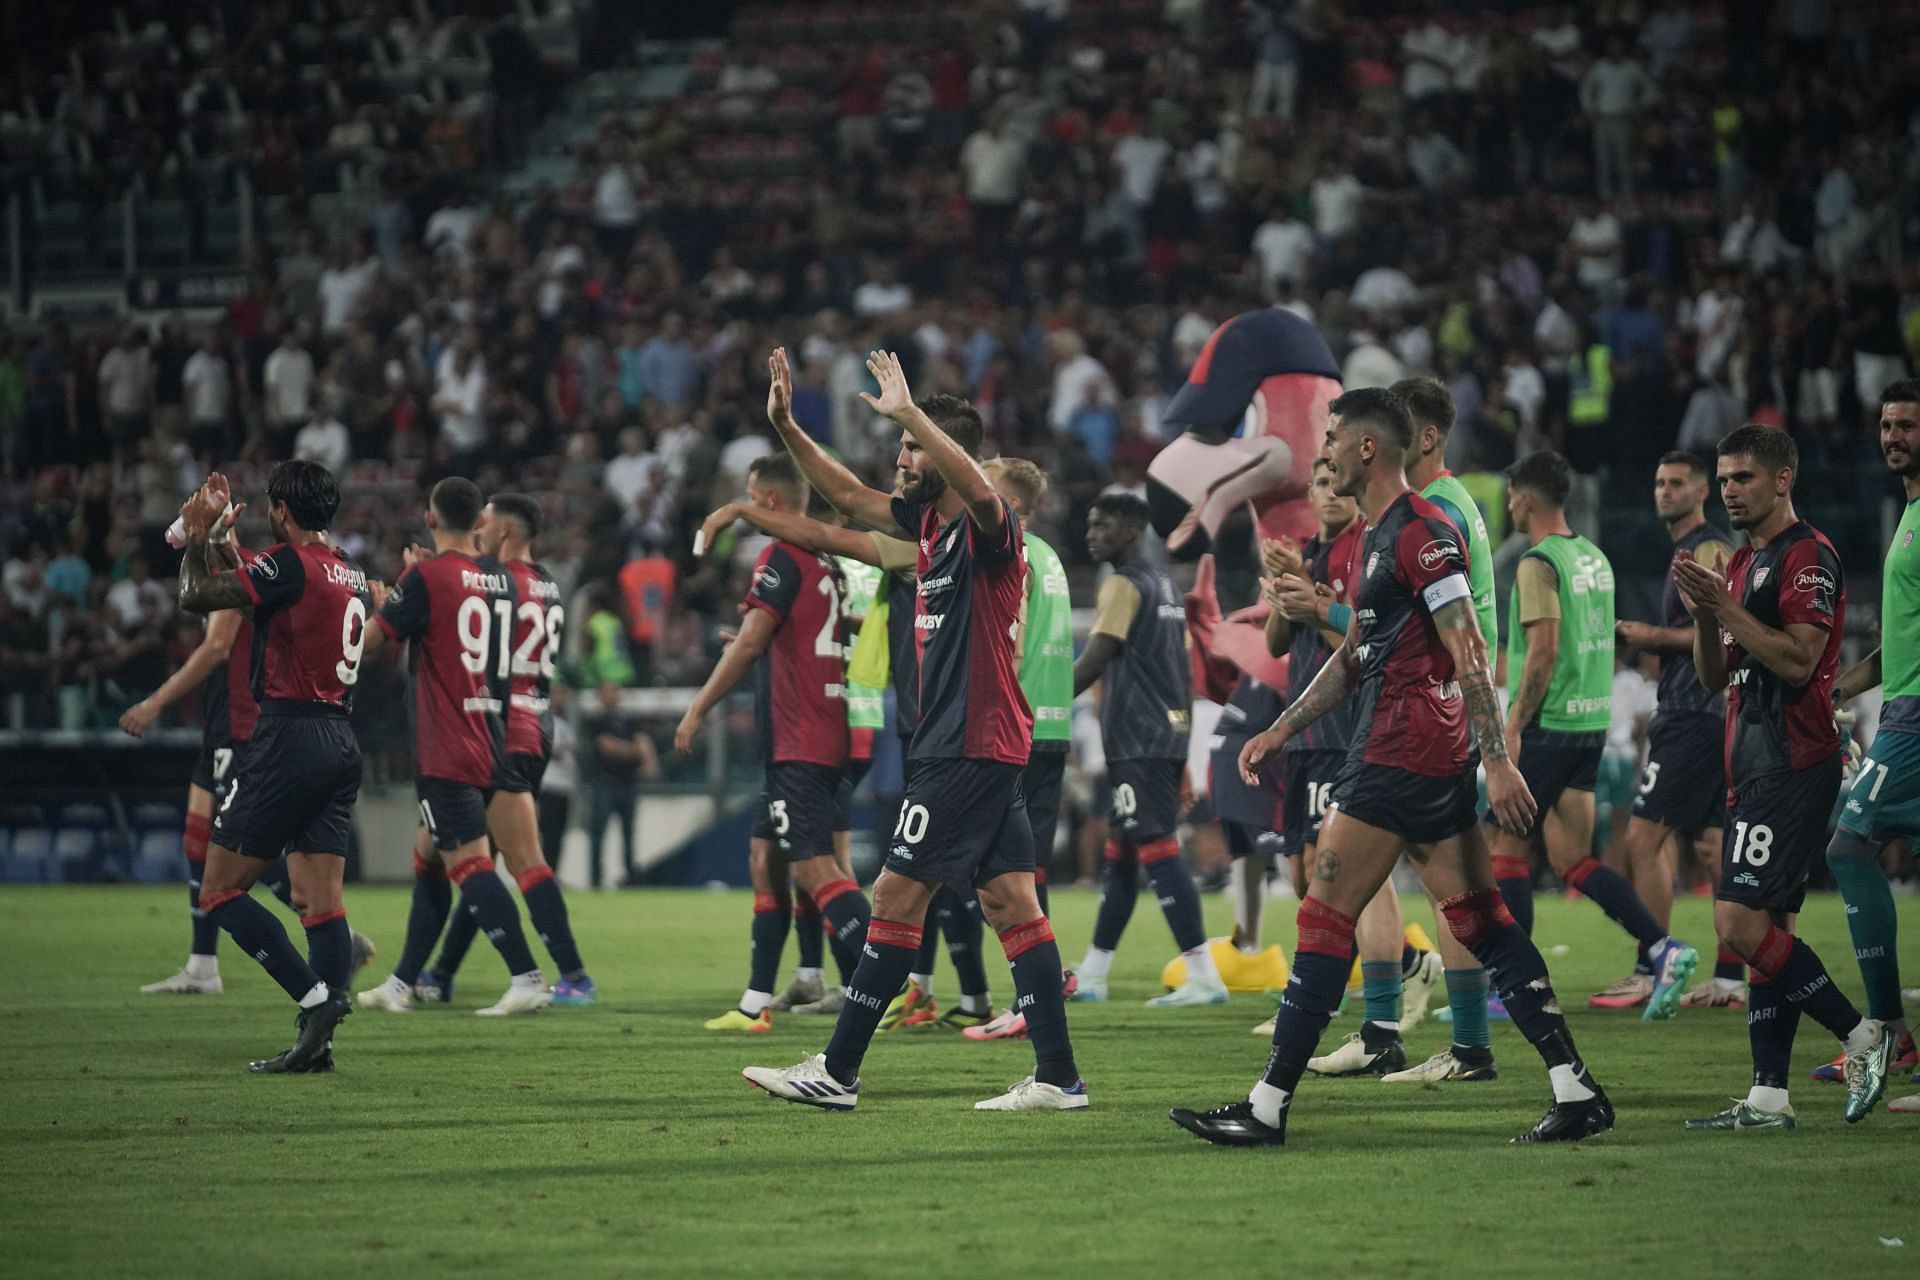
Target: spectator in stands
[
  {"x": 622, "y": 757},
  {"x": 1613, "y": 93},
  {"x": 287, "y": 389},
  {"x": 460, "y": 393},
  {"x": 668, "y": 367},
  {"x": 324, "y": 440},
  {"x": 126, "y": 389}
]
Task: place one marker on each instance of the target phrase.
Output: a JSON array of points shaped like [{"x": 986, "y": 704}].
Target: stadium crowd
[{"x": 1613, "y": 228}]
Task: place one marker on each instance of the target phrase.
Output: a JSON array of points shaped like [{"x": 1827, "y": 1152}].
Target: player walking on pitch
[
  {"x": 1138, "y": 654},
  {"x": 963, "y": 821},
  {"x": 1769, "y": 634},
  {"x": 1884, "y": 800},
  {"x": 1560, "y": 643},
  {"x": 1681, "y": 803},
  {"x": 1415, "y": 652},
  {"x": 296, "y": 790}
]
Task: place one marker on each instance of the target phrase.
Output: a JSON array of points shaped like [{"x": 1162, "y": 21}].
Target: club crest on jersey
[
  {"x": 1435, "y": 554},
  {"x": 1907, "y": 541},
  {"x": 1373, "y": 562},
  {"x": 1760, "y": 577}
]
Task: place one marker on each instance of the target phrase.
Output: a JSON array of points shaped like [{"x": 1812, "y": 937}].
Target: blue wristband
[{"x": 1339, "y": 617}]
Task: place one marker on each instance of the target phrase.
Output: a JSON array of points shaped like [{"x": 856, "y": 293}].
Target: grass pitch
[{"x": 620, "y": 1140}]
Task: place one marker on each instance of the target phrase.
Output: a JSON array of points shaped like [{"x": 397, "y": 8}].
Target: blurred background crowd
[{"x": 549, "y": 244}]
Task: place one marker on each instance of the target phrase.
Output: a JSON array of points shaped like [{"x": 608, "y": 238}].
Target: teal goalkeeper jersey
[{"x": 1900, "y": 626}]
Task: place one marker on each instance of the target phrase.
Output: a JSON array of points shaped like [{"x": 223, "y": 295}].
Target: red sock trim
[
  {"x": 425, "y": 870},
  {"x": 212, "y": 902},
  {"x": 1506, "y": 866},
  {"x": 1323, "y": 930},
  {"x": 199, "y": 835},
  {"x": 1023, "y": 938},
  {"x": 1770, "y": 957},
  {"x": 1159, "y": 850},
  {"x": 1757, "y": 979},
  {"x": 1473, "y": 917},
  {"x": 1114, "y": 850},
  {"x": 768, "y": 902},
  {"x": 1039, "y": 876},
  {"x": 804, "y": 906},
  {"x": 1577, "y": 874},
  {"x": 533, "y": 876},
  {"x": 832, "y": 889},
  {"x": 314, "y": 922},
  {"x": 1727, "y": 955},
  {"x": 461, "y": 872},
  {"x": 891, "y": 933}
]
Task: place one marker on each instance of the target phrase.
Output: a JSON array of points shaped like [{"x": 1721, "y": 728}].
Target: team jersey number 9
[
  {"x": 353, "y": 641},
  {"x": 480, "y": 627}
]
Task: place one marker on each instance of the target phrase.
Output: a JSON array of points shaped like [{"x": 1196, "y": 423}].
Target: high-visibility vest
[
  {"x": 1590, "y": 386},
  {"x": 648, "y": 585}
]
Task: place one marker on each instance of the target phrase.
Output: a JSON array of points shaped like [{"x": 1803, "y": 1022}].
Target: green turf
[{"x": 621, "y": 1140}]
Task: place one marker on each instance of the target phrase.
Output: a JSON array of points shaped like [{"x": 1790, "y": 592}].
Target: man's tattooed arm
[
  {"x": 203, "y": 588},
  {"x": 1329, "y": 689},
  {"x": 1460, "y": 632}
]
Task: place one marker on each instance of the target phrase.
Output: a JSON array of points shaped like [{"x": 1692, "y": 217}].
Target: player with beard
[
  {"x": 301, "y": 776},
  {"x": 1415, "y": 653},
  {"x": 1768, "y": 632},
  {"x": 1683, "y": 789},
  {"x": 963, "y": 819}
]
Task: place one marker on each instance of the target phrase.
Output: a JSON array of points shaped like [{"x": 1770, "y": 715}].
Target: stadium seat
[
  {"x": 159, "y": 857},
  {"x": 74, "y": 849},
  {"x": 30, "y": 860}
]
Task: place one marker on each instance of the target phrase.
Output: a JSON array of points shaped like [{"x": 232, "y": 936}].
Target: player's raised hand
[
  {"x": 779, "y": 388},
  {"x": 1259, "y": 749},
  {"x": 201, "y": 510},
  {"x": 414, "y": 554},
  {"x": 894, "y": 397},
  {"x": 1507, "y": 795}
]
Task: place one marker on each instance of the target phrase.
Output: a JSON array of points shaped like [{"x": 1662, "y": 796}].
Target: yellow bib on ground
[{"x": 1262, "y": 971}]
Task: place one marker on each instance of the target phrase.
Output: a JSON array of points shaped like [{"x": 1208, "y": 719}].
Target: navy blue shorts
[
  {"x": 1683, "y": 786},
  {"x": 1417, "y": 808},
  {"x": 1305, "y": 795},
  {"x": 295, "y": 791},
  {"x": 1040, "y": 784},
  {"x": 455, "y": 813},
  {"x": 1775, "y": 829},
  {"x": 1145, "y": 805},
  {"x": 962, "y": 823},
  {"x": 798, "y": 809}
]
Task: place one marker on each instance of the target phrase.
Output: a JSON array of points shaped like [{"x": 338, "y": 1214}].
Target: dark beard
[{"x": 924, "y": 486}]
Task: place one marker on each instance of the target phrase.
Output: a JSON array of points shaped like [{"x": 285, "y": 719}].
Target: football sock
[
  {"x": 277, "y": 881},
  {"x": 1179, "y": 896},
  {"x": 1567, "y": 1084},
  {"x": 1616, "y": 897},
  {"x": 1728, "y": 966},
  {"x": 1766, "y": 1098},
  {"x": 1040, "y": 887},
  {"x": 1200, "y": 966},
  {"x": 772, "y": 920},
  {"x": 1870, "y": 919},
  {"x": 540, "y": 890},
  {"x": 1380, "y": 987},
  {"x": 1409, "y": 959},
  {"x": 330, "y": 948},
  {"x": 960, "y": 924},
  {"x": 461, "y": 931},
  {"x": 432, "y": 901},
  {"x": 1321, "y": 962},
  {"x": 922, "y": 975},
  {"x": 846, "y": 910},
  {"x": 1467, "y": 997},
  {"x": 1483, "y": 924},
  {"x": 1119, "y": 889},
  {"x": 1785, "y": 960},
  {"x": 1096, "y": 964},
  {"x": 806, "y": 924},
  {"x": 1034, "y": 957},
  {"x": 1771, "y": 1023},
  {"x": 206, "y": 934},
  {"x": 1268, "y": 1102},
  {"x": 484, "y": 898},
  {"x": 845, "y": 958},
  {"x": 1515, "y": 877},
  {"x": 885, "y": 958},
  {"x": 256, "y": 931}
]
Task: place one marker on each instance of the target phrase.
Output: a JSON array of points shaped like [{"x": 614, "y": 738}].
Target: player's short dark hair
[
  {"x": 518, "y": 506},
  {"x": 1428, "y": 403},
  {"x": 1545, "y": 475},
  {"x": 1692, "y": 461},
  {"x": 1124, "y": 507},
  {"x": 457, "y": 501},
  {"x": 1769, "y": 446},
  {"x": 1378, "y": 408},
  {"x": 779, "y": 471},
  {"x": 1901, "y": 392},
  {"x": 311, "y": 493},
  {"x": 958, "y": 418}
]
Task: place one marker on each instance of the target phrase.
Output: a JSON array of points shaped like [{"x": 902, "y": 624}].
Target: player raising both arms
[
  {"x": 457, "y": 607},
  {"x": 296, "y": 789},
  {"x": 1683, "y": 789},
  {"x": 800, "y": 718},
  {"x": 507, "y": 532},
  {"x": 1415, "y": 653},
  {"x": 963, "y": 821},
  {"x": 1137, "y": 652},
  {"x": 1885, "y": 798},
  {"x": 1560, "y": 642},
  {"x": 1769, "y": 634}
]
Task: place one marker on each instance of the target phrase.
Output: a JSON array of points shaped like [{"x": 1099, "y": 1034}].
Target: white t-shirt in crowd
[
  {"x": 1140, "y": 160},
  {"x": 1285, "y": 248},
  {"x": 208, "y": 382},
  {"x": 289, "y": 384}
]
